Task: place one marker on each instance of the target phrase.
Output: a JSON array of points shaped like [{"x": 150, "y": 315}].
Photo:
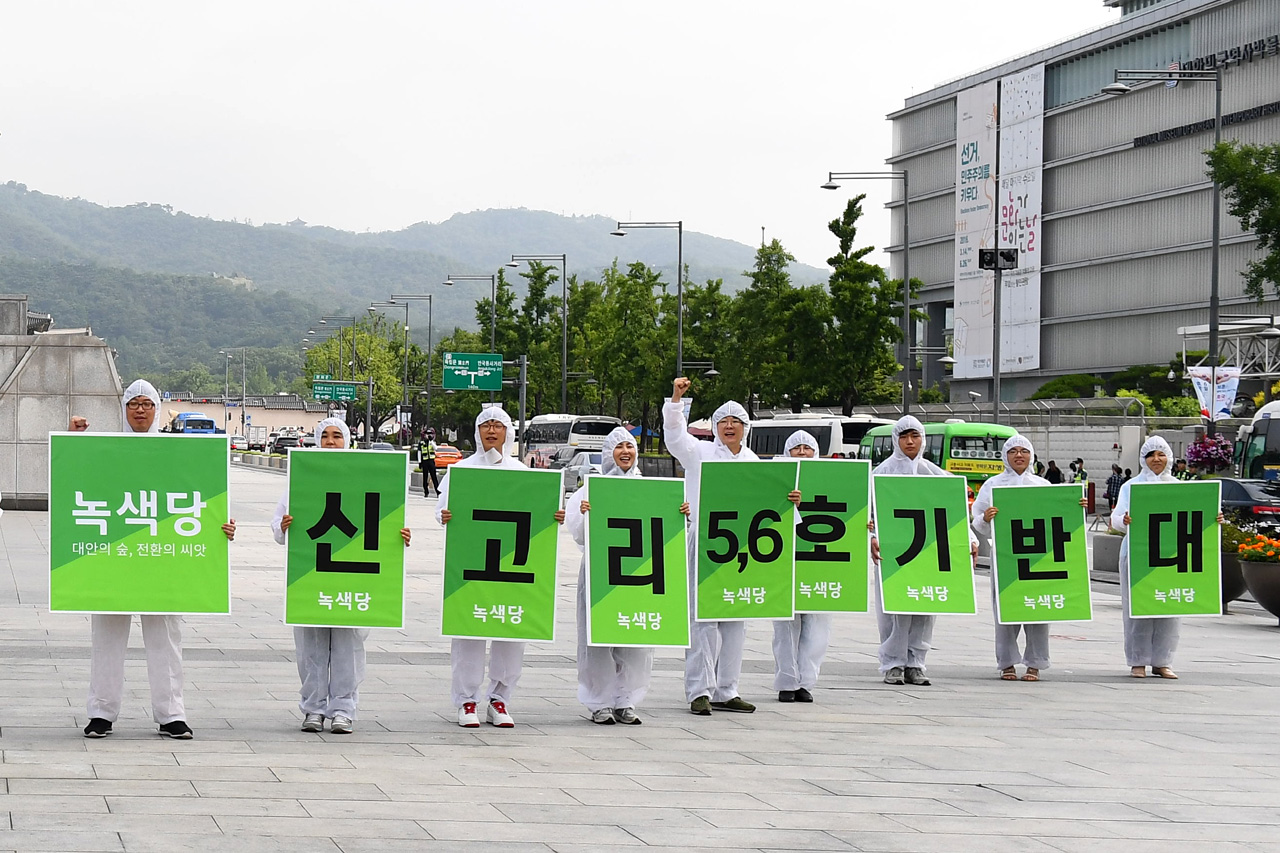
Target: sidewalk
[{"x": 1086, "y": 760}]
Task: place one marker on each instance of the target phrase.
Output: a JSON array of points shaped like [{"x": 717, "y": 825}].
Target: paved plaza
[{"x": 1086, "y": 760}]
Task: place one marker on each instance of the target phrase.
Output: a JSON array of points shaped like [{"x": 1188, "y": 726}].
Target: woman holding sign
[
  {"x": 713, "y": 663},
  {"x": 494, "y": 446},
  {"x": 904, "y": 638},
  {"x": 161, "y": 633},
  {"x": 611, "y": 680},
  {"x": 800, "y": 643},
  {"x": 330, "y": 660},
  {"x": 1148, "y": 642},
  {"x": 1018, "y": 459}
]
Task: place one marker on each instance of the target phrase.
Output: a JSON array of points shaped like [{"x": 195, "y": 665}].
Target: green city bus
[{"x": 969, "y": 449}]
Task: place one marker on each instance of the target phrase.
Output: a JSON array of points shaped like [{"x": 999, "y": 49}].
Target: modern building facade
[{"x": 1105, "y": 196}]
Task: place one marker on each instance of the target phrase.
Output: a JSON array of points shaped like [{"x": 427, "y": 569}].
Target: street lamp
[
  {"x": 564, "y": 318},
  {"x": 621, "y": 231},
  {"x": 493, "y": 308},
  {"x": 407, "y": 298},
  {"x": 343, "y": 322},
  {"x": 1120, "y": 87},
  {"x": 244, "y": 371},
  {"x": 226, "y": 387},
  {"x": 833, "y": 179}
]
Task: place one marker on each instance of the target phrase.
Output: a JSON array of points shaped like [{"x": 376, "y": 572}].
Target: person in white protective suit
[
  {"x": 161, "y": 633},
  {"x": 904, "y": 639},
  {"x": 612, "y": 680},
  {"x": 494, "y": 444},
  {"x": 1147, "y": 642},
  {"x": 713, "y": 663},
  {"x": 330, "y": 660},
  {"x": 1019, "y": 467},
  {"x": 800, "y": 643}
]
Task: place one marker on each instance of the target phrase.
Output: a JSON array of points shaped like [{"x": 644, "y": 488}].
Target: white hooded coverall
[
  {"x": 608, "y": 676},
  {"x": 800, "y": 643},
  {"x": 713, "y": 663},
  {"x": 1147, "y": 642},
  {"x": 331, "y": 661},
  {"x": 506, "y": 657},
  {"x": 1036, "y": 655},
  {"x": 161, "y": 634},
  {"x": 904, "y": 639}
]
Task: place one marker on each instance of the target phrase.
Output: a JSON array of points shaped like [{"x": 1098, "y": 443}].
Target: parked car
[
  {"x": 239, "y": 442},
  {"x": 583, "y": 463},
  {"x": 446, "y": 455},
  {"x": 561, "y": 458},
  {"x": 381, "y": 445},
  {"x": 283, "y": 443},
  {"x": 1255, "y": 502}
]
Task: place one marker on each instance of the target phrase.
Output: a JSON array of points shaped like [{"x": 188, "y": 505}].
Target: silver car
[{"x": 584, "y": 462}]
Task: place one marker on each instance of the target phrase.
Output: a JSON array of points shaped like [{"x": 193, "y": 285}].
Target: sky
[{"x": 377, "y": 115}]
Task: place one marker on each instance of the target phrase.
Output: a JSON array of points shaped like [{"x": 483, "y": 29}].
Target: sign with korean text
[
  {"x": 922, "y": 524},
  {"x": 1040, "y": 562},
  {"x": 500, "y": 554},
  {"x": 345, "y": 565},
  {"x": 832, "y": 546},
  {"x": 746, "y": 541},
  {"x": 326, "y": 390},
  {"x": 637, "y": 577},
  {"x": 473, "y": 371},
  {"x": 135, "y": 523},
  {"x": 1174, "y": 550}
]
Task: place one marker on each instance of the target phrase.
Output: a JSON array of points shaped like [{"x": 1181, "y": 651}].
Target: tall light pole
[
  {"x": 832, "y": 184},
  {"x": 1121, "y": 87},
  {"x": 564, "y": 318},
  {"x": 226, "y": 388},
  {"x": 678, "y": 225},
  {"x": 343, "y": 322},
  {"x": 493, "y": 308},
  {"x": 407, "y": 298}
]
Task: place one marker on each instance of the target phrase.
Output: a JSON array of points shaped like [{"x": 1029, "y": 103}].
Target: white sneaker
[
  {"x": 313, "y": 723},
  {"x": 341, "y": 725},
  {"x": 467, "y": 717},
  {"x": 498, "y": 716},
  {"x": 603, "y": 717}
]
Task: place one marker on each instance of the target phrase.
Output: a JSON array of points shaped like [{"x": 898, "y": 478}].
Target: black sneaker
[
  {"x": 97, "y": 727},
  {"x": 178, "y": 730},
  {"x": 786, "y": 696},
  {"x": 803, "y": 695},
  {"x": 737, "y": 703}
]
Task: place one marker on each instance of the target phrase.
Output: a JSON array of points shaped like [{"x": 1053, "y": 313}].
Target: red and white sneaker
[
  {"x": 498, "y": 715},
  {"x": 467, "y": 716}
]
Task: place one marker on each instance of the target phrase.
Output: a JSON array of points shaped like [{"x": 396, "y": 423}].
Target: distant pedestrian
[
  {"x": 1114, "y": 482},
  {"x": 1053, "y": 474},
  {"x": 427, "y": 460},
  {"x": 1128, "y": 474},
  {"x": 1082, "y": 476}
]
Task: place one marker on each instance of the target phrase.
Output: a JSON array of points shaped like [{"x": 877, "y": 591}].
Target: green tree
[
  {"x": 1068, "y": 387},
  {"x": 1250, "y": 179}
]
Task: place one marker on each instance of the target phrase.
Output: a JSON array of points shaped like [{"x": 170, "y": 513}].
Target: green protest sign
[
  {"x": 1040, "y": 564},
  {"x": 833, "y": 552},
  {"x": 345, "y": 564},
  {"x": 922, "y": 524},
  {"x": 746, "y": 541},
  {"x": 637, "y": 578},
  {"x": 135, "y": 523},
  {"x": 1174, "y": 550},
  {"x": 500, "y": 554}
]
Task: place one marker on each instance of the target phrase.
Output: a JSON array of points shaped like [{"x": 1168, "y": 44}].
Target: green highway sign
[
  {"x": 320, "y": 377},
  {"x": 473, "y": 371},
  {"x": 333, "y": 390}
]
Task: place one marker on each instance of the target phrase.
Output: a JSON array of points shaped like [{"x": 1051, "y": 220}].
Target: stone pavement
[{"x": 1086, "y": 760}]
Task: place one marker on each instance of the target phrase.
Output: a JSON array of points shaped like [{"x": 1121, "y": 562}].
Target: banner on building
[
  {"x": 975, "y": 229},
  {"x": 1215, "y": 389},
  {"x": 1021, "y": 177}
]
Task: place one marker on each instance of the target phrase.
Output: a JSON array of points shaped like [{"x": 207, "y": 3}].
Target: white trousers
[
  {"x": 609, "y": 676},
  {"x": 713, "y": 661},
  {"x": 162, "y": 637},
  {"x": 1147, "y": 642},
  {"x": 331, "y": 667},
  {"x": 799, "y": 645},
  {"x": 904, "y": 640},
  {"x": 1036, "y": 655},
  {"x": 506, "y": 659}
]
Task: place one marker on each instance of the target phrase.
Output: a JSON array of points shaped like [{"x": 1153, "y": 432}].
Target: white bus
[
  {"x": 838, "y": 437},
  {"x": 586, "y": 432}
]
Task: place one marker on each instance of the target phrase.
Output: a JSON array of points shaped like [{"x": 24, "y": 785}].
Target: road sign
[
  {"x": 320, "y": 377},
  {"x": 473, "y": 371},
  {"x": 333, "y": 390}
]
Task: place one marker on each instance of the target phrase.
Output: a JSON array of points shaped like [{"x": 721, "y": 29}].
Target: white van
[
  {"x": 586, "y": 432},
  {"x": 838, "y": 437}
]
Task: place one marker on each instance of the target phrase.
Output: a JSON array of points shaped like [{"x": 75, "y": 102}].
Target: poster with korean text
[
  {"x": 500, "y": 554},
  {"x": 922, "y": 524},
  {"x": 135, "y": 523},
  {"x": 637, "y": 576},
  {"x": 746, "y": 541},
  {"x": 1040, "y": 564},
  {"x": 345, "y": 564},
  {"x": 1174, "y": 550},
  {"x": 833, "y": 553}
]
